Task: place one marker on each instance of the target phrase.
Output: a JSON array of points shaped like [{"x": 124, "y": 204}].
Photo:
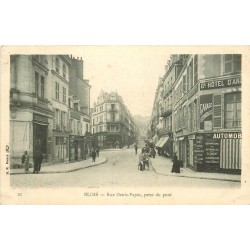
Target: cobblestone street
[{"x": 120, "y": 170}]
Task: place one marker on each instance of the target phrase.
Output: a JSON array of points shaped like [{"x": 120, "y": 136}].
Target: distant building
[{"x": 111, "y": 123}]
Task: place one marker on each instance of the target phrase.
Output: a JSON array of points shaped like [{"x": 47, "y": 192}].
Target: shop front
[
  {"x": 165, "y": 146},
  {"x": 78, "y": 148},
  {"x": 40, "y": 135},
  {"x": 215, "y": 152}
]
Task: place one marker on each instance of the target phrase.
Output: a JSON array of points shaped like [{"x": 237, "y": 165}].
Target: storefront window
[{"x": 233, "y": 110}]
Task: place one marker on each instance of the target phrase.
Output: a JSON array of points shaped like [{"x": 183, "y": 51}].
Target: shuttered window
[{"x": 217, "y": 111}]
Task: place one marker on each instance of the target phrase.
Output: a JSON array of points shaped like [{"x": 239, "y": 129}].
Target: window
[
  {"x": 232, "y": 63},
  {"x": 184, "y": 83},
  {"x": 112, "y": 106},
  {"x": 233, "y": 110},
  {"x": 64, "y": 71},
  {"x": 36, "y": 83},
  {"x": 76, "y": 106},
  {"x": 57, "y": 65},
  {"x": 57, "y": 116},
  {"x": 195, "y": 69},
  {"x": 194, "y": 116},
  {"x": 57, "y": 91},
  {"x": 57, "y": 140},
  {"x": 42, "y": 86},
  {"x": 113, "y": 117},
  {"x": 190, "y": 75},
  {"x": 64, "y": 95}
]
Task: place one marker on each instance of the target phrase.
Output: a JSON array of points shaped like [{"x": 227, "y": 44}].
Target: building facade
[
  {"x": 111, "y": 123},
  {"x": 206, "y": 112},
  {"x": 79, "y": 111},
  {"x": 39, "y": 111}
]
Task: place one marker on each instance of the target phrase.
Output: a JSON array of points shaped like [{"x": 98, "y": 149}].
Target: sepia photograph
[{"x": 124, "y": 125}]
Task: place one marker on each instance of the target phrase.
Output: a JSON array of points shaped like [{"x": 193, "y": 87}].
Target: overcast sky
[{"x": 132, "y": 71}]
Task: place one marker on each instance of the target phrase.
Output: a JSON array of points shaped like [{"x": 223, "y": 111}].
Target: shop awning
[
  {"x": 181, "y": 138},
  {"x": 153, "y": 139},
  {"x": 164, "y": 141},
  {"x": 159, "y": 142}
]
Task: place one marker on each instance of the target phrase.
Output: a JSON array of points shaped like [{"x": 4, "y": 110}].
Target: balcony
[
  {"x": 112, "y": 110},
  {"x": 165, "y": 130},
  {"x": 166, "y": 112}
]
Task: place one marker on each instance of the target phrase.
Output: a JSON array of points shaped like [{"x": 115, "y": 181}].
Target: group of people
[
  {"x": 147, "y": 149},
  {"x": 148, "y": 152},
  {"x": 37, "y": 159},
  {"x": 95, "y": 153}
]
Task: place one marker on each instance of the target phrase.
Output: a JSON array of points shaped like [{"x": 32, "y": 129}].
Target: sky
[{"x": 132, "y": 71}]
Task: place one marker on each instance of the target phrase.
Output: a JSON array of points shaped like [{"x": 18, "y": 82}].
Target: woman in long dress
[{"x": 176, "y": 165}]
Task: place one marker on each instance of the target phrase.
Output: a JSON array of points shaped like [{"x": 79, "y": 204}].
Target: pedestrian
[
  {"x": 152, "y": 152},
  {"x": 145, "y": 149},
  {"x": 97, "y": 151},
  {"x": 93, "y": 154},
  {"x": 37, "y": 158},
  {"x": 136, "y": 148},
  {"x": 176, "y": 165},
  {"x": 25, "y": 162}
]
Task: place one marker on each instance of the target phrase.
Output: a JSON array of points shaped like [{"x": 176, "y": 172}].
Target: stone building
[
  {"x": 79, "y": 111},
  {"x": 39, "y": 112},
  {"x": 206, "y": 112},
  {"x": 111, "y": 123}
]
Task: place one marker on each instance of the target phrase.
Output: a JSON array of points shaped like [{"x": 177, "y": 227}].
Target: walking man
[
  {"x": 37, "y": 158},
  {"x": 93, "y": 154},
  {"x": 136, "y": 148}
]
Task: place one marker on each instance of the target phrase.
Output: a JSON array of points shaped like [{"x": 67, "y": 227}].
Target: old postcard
[{"x": 125, "y": 125}]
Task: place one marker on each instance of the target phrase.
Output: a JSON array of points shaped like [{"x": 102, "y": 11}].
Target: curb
[
  {"x": 66, "y": 171},
  {"x": 193, "y": 177}
]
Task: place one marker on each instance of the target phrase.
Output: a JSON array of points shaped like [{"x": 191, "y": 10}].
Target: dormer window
[{"x": 64, "y": 71}]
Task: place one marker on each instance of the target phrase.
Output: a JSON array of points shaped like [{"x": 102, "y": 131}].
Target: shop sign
[
  {"x": 222, "y": 83},
  {"x": 40, "y": 118},
  {"x": 227, "y": 135},
  {"x": 206, "y": 109},
  {"x": 207, "y": 151}
]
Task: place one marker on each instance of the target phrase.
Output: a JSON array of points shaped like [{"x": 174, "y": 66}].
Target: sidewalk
[
  {"x": 63, "y": 167},
  {"x": 163, "y": 166}
]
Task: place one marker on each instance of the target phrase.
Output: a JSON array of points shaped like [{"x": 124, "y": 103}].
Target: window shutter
[{"x": 217, "y": 111}]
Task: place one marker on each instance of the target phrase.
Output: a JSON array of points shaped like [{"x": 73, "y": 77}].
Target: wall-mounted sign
[
  {"x": 208, "y": 125},
  {"x": 206, "y": 109},
  {"x": 222, "y": 83}
]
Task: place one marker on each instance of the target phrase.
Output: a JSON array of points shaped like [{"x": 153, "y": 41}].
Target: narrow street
[{"x": 119, "y": 171}]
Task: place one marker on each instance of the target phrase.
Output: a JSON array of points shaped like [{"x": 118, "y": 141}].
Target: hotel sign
[{"x": 222, "y": 83}]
